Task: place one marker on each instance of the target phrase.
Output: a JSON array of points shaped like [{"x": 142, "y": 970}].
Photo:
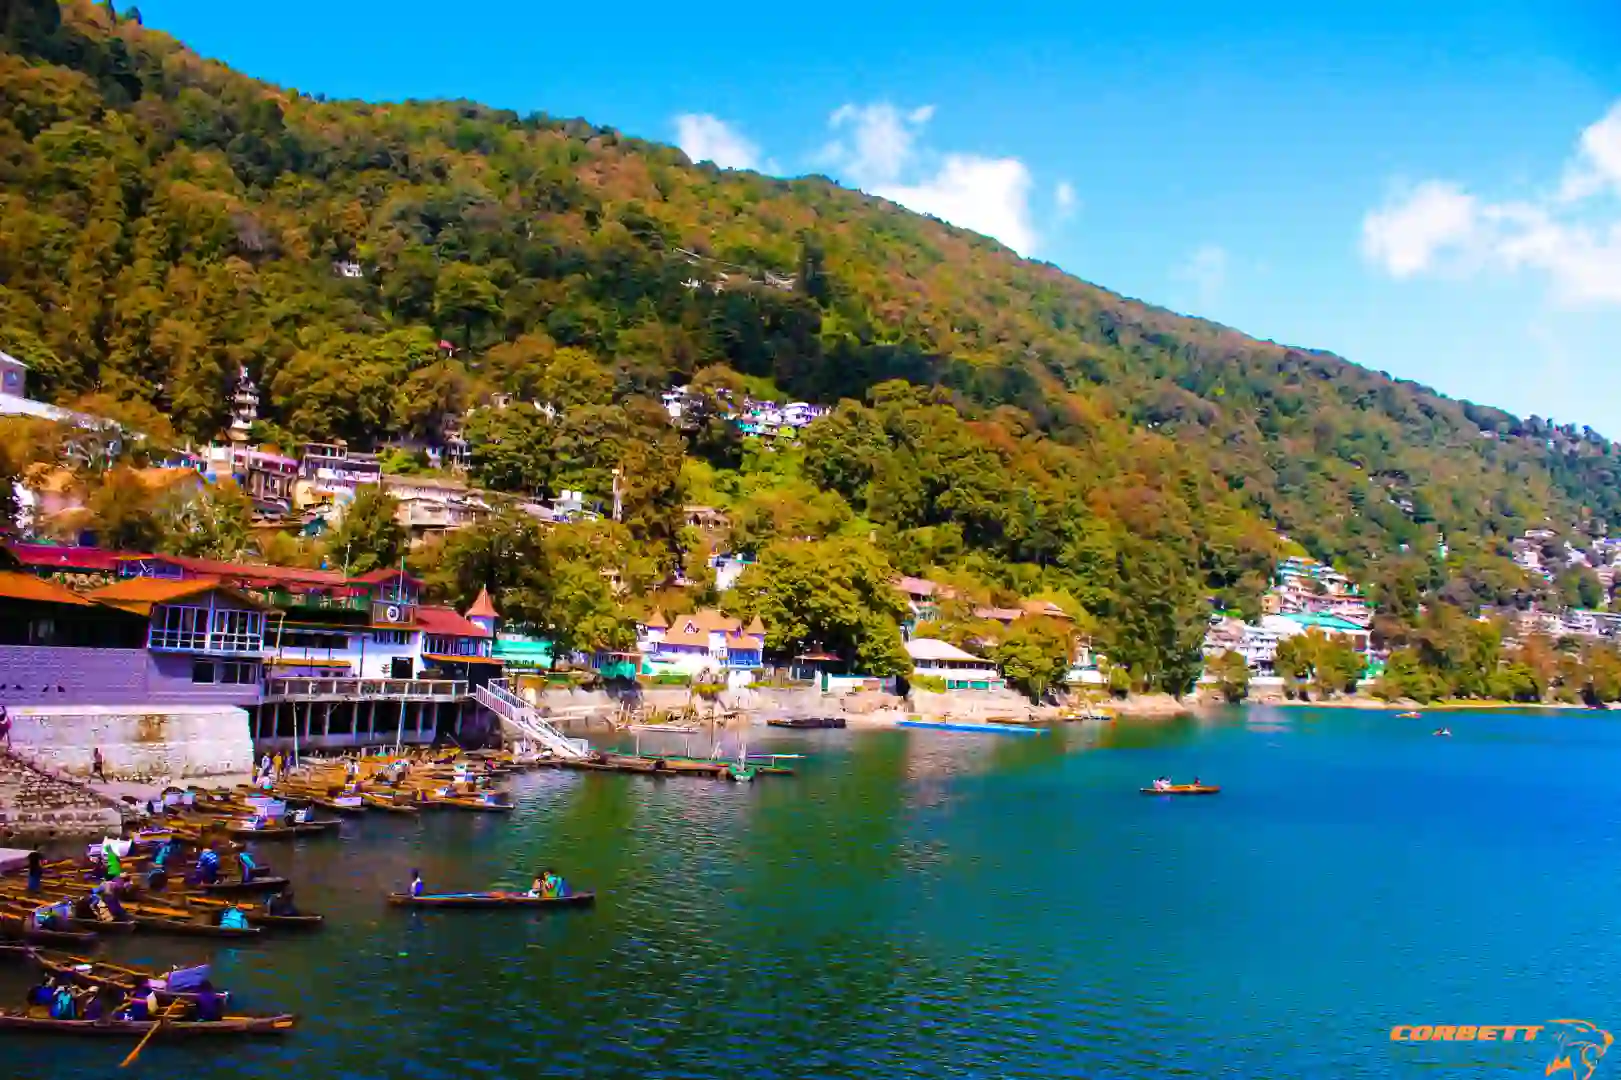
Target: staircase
[{"x": 523, "y": 717}]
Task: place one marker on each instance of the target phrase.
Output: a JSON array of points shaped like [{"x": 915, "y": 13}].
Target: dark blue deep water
[{"x": 934, "y": 904}]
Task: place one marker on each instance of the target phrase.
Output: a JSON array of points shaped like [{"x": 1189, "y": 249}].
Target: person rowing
[
  {"x": 210, "y": 1009},
  {"x": 280, "y": 904},
  {"x": 552, "y": 886},
  {"x": 144, "y": 1005},
  {"x": 233, "y": 919},
  {"x": 537, "y": 886},
  {"x": 1162, "y": 783},
  {"x": 416, "y": 883},
  {"x": 245, "y": 861}
]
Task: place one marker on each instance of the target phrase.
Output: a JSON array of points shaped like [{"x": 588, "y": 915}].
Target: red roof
[
  {"x": 443, "y": 620},
  {"x": 483, "y": 607},
  {"x": 377, "y": 577},
  {"x": 258, "y": 573},
  {"x": 52, "y": 556}
]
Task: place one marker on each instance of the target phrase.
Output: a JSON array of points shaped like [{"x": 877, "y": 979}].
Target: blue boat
[{"x": 984, "y": 729}]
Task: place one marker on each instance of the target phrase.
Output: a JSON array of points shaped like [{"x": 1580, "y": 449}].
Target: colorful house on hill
[
  {"x": 704, "y": 641},
  {"x": 935, "y": 659}
]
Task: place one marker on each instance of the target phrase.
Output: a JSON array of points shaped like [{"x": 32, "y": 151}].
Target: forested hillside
[{"x": 164, "y": 220}]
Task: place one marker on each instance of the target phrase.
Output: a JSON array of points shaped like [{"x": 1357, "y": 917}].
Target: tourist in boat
[
  {"x": 1195, "y": 781},
  {"x": 244, "y": 860},
  {"x": 36, "y": 870},
  {"x": 280, "y": 904},
  {"x": 64, "y": 1003},
  {"x": 210, "y": 1009},
  {"x": 41, "y": 993},
  {"x": 416, "y": 883},
  {"x": 551, "y": 886},
  {"x": 100, "y": 910},
  {"x": 109, "y": 898},
  {"x": 233, "y": 919},
  {"x": 208, "y": 866},
  {"x": 99, "y": 1007},
  {"x": 537, "y": 886},
  {"x": 111, "y": 866},
  {"x": 144, "y": 1005}
]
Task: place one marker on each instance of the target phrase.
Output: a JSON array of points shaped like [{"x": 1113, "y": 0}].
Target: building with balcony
[{"x": 704, "y": 641}]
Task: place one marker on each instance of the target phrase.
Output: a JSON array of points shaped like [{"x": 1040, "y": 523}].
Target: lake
[{"x": 925, "y": 903}]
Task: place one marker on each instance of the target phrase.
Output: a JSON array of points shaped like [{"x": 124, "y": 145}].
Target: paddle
[{"x": 135, "y": 1053}]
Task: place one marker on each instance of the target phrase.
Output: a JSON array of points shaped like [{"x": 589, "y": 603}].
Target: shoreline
[{"x": 1374, "y": 704}]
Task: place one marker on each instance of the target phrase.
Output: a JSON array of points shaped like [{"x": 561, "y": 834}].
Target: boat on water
[
  {"x": 807, "y": 722},
  {"x": 490, "y": 900},
  {"x": 237, "y": 885},
  {"x": 1445, "y": 733},
  {"x": 1409, "y": 716},
  {"x": 979, "y": 729},
  {"x": 1182, "y": 789},
  {"x": 230, "y": 1025}
]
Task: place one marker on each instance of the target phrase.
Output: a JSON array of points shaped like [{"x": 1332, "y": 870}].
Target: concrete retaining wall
[
  {"x": 53, "y": 677},
  {"x": 176, "y": 742}
]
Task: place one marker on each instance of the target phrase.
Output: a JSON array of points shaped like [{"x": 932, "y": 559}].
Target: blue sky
[{"x": 1429, "y": 189}]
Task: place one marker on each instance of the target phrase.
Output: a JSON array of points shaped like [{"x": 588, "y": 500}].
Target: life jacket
[
  {"x": 234, "y": 920},
  {"x": 62, "y": 1004}
]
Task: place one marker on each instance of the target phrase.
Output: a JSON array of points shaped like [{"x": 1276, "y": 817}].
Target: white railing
[
  {"x": 297, "y": 688},
  {"x": 514, "y": 710}
]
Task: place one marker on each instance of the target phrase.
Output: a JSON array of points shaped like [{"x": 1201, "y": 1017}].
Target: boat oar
[{"x": 135, "y": 1053}]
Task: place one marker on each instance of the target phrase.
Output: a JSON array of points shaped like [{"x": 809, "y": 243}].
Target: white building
[{"x": 936, "y": 659}]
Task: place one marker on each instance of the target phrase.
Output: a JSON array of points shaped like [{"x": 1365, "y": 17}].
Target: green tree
[
  {"x": 371, "y": 535},
  {"x": 831, "y": 594},
  {"x": 210, "y": 523},
  {"x": 123, "y": 513},
  {"x": 1034, "y": 655},
  {"x": 1232, "y": 673}
]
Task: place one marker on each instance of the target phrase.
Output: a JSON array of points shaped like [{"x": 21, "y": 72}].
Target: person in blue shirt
[
  {"x": 245, "y": 860},
  {"x": 416, "y": 883},
  {"x": 233, "y": 919},
  {"x": 208, "y": 866}
]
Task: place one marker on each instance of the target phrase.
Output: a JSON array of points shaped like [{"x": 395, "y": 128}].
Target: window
[
  {"x": 390, "y": 637},
  {"x": 239, "y": 673},
  {"x": 174, "y": 627},
  {"x": 202, "y": 671},
  {"x": 313, "y": 640},
  {"x": 237, "y": 631}
]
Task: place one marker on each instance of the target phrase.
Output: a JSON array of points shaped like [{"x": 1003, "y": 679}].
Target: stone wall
[
  {"x": 176, "y": 742},
  {"x": 971, "y": 705},
  {"x": 36, "y": 806}
]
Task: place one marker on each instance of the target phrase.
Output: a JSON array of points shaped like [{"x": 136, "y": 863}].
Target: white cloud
[
  {"x": 877, "y": 147},
  {"x": 1064, "y": 198},
  {"x": 990, "y": 196},
  {"x": 1407, "y": 234},
  {"x": 1206, "y": 270},
  {"x": 1571, "y": 238},
  {"x": 704, "y": 138}
]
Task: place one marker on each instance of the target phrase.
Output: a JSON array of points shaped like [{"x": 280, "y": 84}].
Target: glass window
[{"x": 202, "y": 671}]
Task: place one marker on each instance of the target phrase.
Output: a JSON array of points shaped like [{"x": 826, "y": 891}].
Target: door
[{"x": 400, "y": 667}]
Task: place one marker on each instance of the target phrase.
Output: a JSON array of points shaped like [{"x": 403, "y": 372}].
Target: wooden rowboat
[
  {"x": 476, "y": 804},
  {"x": 230, "y": 1025},
  {"x": 490, "y": 900},
  {"x": 1182, "y": 789},
  {"x": 237, "y": 885},
  {"x": 382, "y": 802},
  {"x": 98, "y": 975}
]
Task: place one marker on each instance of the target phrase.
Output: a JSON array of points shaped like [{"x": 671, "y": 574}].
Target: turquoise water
[{"x": 924, "y": 903}]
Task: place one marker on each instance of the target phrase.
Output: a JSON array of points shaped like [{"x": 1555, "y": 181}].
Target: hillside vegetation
[{"x": 165, "y": 220}]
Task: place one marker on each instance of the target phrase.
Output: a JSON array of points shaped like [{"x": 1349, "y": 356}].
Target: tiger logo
[{"x": 1580, "y": 1047}]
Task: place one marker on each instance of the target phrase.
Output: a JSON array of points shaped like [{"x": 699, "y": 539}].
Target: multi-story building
[
  {"x": 704, "y": 641},
  {"x": 351, "y": 659}
]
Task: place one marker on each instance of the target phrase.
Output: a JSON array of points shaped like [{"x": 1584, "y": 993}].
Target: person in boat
[
  {"x": 100, "y": 1007},
  {"x": 41, "y": 993},
  {"x": 244, "y": 860},
  {"x": 416, "y": 883},
  {"x": 36, "y": 871},
  {"x": 110, "y": 900},
  {"x": 280, "y": 904},
  {"x": 1195, "y": 781},
  {"x": 233, "y": 919},
  {"x": 100, "y": 910},
  {"x": 208, "y": 866},
  {"x": 552, "y": 886},
  {"x": 210, "y": 1008},
  {"x": 64, "y": 1003},
  {"x": 111, "y": 866},
  {"x": 143, "y": 1005}
]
